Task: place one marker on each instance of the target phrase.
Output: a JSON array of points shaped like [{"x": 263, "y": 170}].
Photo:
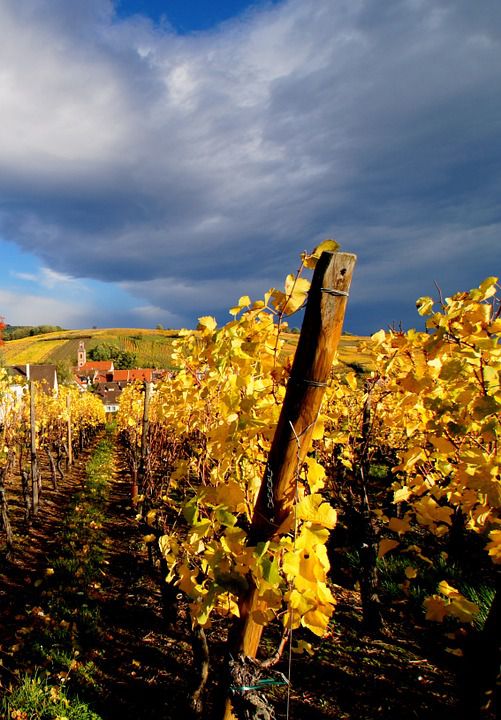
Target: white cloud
[
  {"x": 51, "y": 279},
  {"x": 32, "y": 309}
]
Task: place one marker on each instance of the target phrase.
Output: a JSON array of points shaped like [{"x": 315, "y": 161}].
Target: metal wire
[
  {"x": 296, "y": 498},
  {"x": 336, "y": 293},
  {"x": 305, "y": 381}
]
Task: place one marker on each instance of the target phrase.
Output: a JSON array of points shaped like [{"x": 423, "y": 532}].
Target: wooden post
[
  {"x": 317, "y": 346},
  {"x": 34, "y": 461},
  {"x": 69, "y": 434},
  {"x": 4, "y": 509},
  {"x": 148, "y": 389}
]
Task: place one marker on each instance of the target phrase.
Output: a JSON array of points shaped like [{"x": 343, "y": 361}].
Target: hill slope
[{"x": 152, "y": 348}]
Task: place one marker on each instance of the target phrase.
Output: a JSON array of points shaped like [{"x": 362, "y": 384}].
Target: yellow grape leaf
[
  {"x": 313, "y": 508},
  {"x": 451, "y": 369},
  {"x": 318, "y": 430},
  {"x": 290, "y": 564},
  {"x": 278, "y": 298},
  {"x": 436, "y": 608},
  {"x": 485, "y": 406},
  {"x": 243, "y": 302},
  {"x": 310, "y": 260},
  {"x": 379, "y": 337},
  {"x": 309, "y": 568},
  {"x": 399, "y": 525},
  {"x": 401, "y": 495},
  {"x": 199, "y": 530},
  {"x": 270, "y": 571},
  {"x": 207, "y": 322},
  {"x": 261, "y": 617},
  {"x": 311, "y": 536},
  {"x": 463, "y": 609},
  {"x": 271, "y": 596},
  {"x": 429, "y": 512},
  {"x": 315, "y": 474},
  {"x": 185, "y": 582},
  {"x": 324, "y": 594},
  {"x": 351, "y": 379},
  {"x": 167, "y": 545},
  {"x": 225, "y": 517},
  {"x": 494, "y": 546},
  {"x": 447, "y": 589},
  {"x": 488, "y": 287},
  {"x": 442, "y": 445},
  {"x": 317, "y": 621},
  {"x": 491, "y": 377},
  {"x": 386, "y": 545},
  {"x": 298, "y": 601},
  {"x": 454, "y": 651},
  {"x": 231, "y": 495},
  {"x": 296, "y": 291},
  {"x": 303, "y": 646},
  {"x": 424, "y": 305}
]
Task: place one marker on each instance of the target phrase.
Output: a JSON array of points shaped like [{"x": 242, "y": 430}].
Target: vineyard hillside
[{"x": 152, "y": 348}]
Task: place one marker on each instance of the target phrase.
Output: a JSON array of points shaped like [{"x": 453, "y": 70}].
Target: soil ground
[{"x": 143, "y": 666}]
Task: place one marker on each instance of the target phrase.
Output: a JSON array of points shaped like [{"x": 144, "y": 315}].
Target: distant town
[{"x": 98, "y": 376}]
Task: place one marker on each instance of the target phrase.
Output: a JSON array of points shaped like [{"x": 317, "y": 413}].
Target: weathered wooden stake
[
  {"x": 148, "y": 391},
  {"x": 318, "y": 342},
  {"x": 69, "y": 434},
  {"x": 34, "y": 460}
]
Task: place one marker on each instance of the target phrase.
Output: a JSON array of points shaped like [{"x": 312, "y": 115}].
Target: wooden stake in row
[{"x": 317, "y": 346}]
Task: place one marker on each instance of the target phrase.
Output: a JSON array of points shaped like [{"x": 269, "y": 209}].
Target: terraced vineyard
[{"x": 153, "y": 348}]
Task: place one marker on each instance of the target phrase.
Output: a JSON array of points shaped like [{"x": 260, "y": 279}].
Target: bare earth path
[{"x": 143, "y": 669}]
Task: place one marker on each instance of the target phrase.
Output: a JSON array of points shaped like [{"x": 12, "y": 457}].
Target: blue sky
[
  {"x": 160, "y": 159},
  {"x": 188, "y": 16}
]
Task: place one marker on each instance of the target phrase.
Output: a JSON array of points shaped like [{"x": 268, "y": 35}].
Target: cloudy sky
[{"x": 158, "y": 159}]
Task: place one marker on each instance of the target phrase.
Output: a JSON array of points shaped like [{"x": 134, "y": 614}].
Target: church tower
[{"x": 82, "y": 355}]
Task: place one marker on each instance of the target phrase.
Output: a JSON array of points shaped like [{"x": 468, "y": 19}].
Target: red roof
[
  {"x": 132, "y": 375},
  {"x": 101, "y": 365}
]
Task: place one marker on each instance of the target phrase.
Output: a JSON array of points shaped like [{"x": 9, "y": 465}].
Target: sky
[{"x": 159, "y": 159}]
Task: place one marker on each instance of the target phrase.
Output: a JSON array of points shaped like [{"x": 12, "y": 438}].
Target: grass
[
  {"x": 36, "y": 699},
  {"x": 393, "y": 584}
]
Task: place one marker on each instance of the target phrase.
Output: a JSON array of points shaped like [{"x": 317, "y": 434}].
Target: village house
[
  {"x": 45, "y": 375},
  {"x": 108, "y": 382},
  {"x": 109, "y": 393},
  {"x": 21, "y": 375}
]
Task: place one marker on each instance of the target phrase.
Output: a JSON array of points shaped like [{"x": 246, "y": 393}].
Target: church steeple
[{"x": 82, "y": 355}]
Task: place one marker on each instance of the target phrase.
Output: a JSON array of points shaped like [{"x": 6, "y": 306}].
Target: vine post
[
  {"x": 145, "y": 425},
  {"x": 316, "y": 350},
  {"x": 34, "y": 460},
  {"x": 69, "y": 434}
]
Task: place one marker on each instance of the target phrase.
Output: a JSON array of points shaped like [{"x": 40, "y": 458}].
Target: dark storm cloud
[{"x": 177, "y": 165}]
